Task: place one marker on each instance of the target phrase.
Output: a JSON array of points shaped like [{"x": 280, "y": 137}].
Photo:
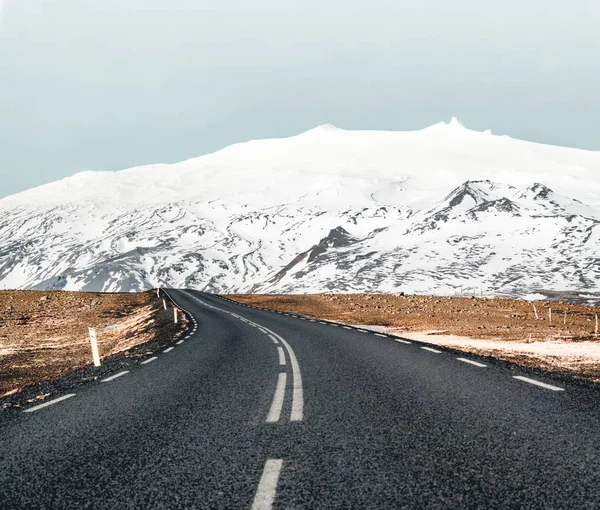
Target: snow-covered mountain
[{"x": 432, "y": 210}]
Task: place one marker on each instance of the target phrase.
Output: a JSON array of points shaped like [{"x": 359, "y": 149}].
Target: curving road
[{"x": 257, "y": 409}]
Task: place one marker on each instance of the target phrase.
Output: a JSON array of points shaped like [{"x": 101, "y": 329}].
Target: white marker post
[
  {"x": 550, "y": 314},
  {"x": 93, "y": 341},
  {"x": 165, "y": 304},
  {"x": 565, "y": 319},
  {"x": 175, "y": 314},
  {"x": 157, "y": 292},
  {"x": 535, "y": 311},
  {"x": 596, "y": 334}
]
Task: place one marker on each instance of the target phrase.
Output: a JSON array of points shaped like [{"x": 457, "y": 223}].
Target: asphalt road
[{"x": 262, "y": 409}]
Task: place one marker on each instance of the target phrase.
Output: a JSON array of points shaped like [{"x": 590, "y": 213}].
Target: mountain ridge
[{"x": 426, "y": 211}]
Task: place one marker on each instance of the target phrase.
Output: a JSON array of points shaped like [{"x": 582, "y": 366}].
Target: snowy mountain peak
[
  {"x": 455, "y": 123},
  {"x": 501, "y": 205},
  {"x": 476, "y": 192},
  {"x": 454, "y": 126},
  {"x": 324, "y": 128},
  {"x": 337, "y": 237},
  {"x": 335, "y": 210},
  {"x": 536, "y": 191}
]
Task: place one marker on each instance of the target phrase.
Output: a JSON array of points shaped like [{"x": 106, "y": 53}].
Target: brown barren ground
[
  {"x": 44, "y": 335},
  {"x": 503, "y": 328}
]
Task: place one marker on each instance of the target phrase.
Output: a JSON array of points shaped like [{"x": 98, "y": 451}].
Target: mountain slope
[{"x": 422, "y": 211}]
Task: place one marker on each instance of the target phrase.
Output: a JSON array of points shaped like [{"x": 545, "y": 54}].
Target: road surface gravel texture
[{"x": 362, "y": 421}]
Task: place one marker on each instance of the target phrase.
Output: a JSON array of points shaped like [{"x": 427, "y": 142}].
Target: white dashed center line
[
  {"x": 297, "y": 411},
  {"x": 113, "y": 377},
  {"x": 169, "y": 349},
  {"x": 180, "y": 342},
  {"x": 149, "y": 360},
  {"x": 470, "y": 361},
  {"x": 538, "y": 383},
  {"x": 281, "y": 355},
  {"x": 379, "y": 334},
  {"x": 431, "y": 350},
  {"x": 277, "y": 404},
  {"x": 402, "y": 341},
  {"x": 267, "y": 487},
  {"x": 49, "y": 403}
]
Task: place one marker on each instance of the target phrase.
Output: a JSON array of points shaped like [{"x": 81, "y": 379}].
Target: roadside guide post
[
  {"x": 93, "y": 341},
  {"x": 175, "y": 314}
]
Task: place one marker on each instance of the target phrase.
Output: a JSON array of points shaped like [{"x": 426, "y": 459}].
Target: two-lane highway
[{"x": 261, "y": 409}]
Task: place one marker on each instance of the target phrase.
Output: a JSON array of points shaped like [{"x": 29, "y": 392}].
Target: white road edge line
[
  {"x": 275, "y": 341},
  {"x": 267, "y": 487},
  {"x": 180, "y": 342},
  {"x": 169, "y": 349},
  {"x": 538, "y": 383},
  {"x": 403, "y": 341},
  {"x": 431, "y": 350},
  {"x": 149, "y": 360},
  {"x": 277, "y": 404},
  {"x": 49, "y": 403},
  {"x": 470, "y": 361},
  {"x": 379, "y": 334},
  {"x": 281, "y": 355},
  {"x": 113, "y": 377},
  {"x": 346, "y": 327}
]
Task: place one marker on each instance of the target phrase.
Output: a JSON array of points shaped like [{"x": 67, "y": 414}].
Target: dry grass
[
  {"x": 44, "y": 335},
  {"x": 503, "y": 328}
]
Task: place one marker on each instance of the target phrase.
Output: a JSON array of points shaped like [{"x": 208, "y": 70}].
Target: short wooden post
[{"x": 93, "y": 341}]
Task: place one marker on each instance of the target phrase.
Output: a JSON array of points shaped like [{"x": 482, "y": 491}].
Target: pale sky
[{"x": 109, "y": 84}]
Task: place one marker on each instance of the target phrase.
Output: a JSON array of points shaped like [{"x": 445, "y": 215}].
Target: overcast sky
[{"x": 109, "y": 84}]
